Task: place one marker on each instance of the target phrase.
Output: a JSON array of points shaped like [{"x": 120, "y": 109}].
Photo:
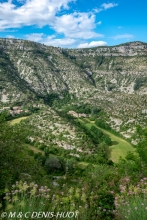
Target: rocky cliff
[{"x": 114, "y": 78}]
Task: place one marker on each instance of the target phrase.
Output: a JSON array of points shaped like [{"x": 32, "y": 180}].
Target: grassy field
[
  {"x": 119, "y": 147},
  {"x": 17, "y": 120}
]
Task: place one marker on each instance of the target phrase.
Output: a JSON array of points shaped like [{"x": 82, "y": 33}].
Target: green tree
[
  {"x": 15, "y": 163},
  {"x": 54, "y": 165},
  {"x": 141, "y": 136}
]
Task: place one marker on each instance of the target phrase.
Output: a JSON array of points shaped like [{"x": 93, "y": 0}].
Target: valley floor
[{"x": 119, "y": 148}]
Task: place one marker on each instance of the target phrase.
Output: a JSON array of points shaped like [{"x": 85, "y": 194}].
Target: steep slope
[
  {"x": 41, "y": 69},
  {"x": 119, "y": 68},
  {"x": 112, "y": 78},
  {"x": 120, "y": 76},
  {"x": 12, "y": 87}
]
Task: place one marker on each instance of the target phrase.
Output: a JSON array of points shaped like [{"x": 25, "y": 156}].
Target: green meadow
[
  {"x": 17, "y": 120},
  {"x": 119, "y": 147}
]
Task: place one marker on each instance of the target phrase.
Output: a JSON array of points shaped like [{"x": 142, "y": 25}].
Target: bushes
[
  {"x": 26, "y": 198},
  {"x": 100, "y": 136},
  {"x": 69, "y": 166},
  {"x": 31, "y": 199},
  {"x": 14, "y": 158},
  {"x": 139, "y": 82},
  {"x": 98, "y": 133},
  {"x": 40, "y": 158},
  {"x": 131, "y": 202},
  {"x": 100, "y": 60},
  {"x": 106, "y": 205},
  {"x": 107, "y": 140},
  {"x": 100, "y": 123},
  {"x": 54, "y": 165}
]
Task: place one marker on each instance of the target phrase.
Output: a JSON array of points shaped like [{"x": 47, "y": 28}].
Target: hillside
[
  {"x": 43, "y": 70},
  {"x": 73, "y": 131},
  {"x": 111, "y": 78}
]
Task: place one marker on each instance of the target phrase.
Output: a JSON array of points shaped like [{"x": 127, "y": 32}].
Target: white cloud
[
  {"x": 99, "y": 23},
  {"x": 32, "y": 12},
  {"x": 58, "y": 42},
  {"x": 92, "y": 44},
  {"x": 105, "y": 6},
  {"x": 76, "y": 25},
  {"x": 73, "y": 26},
  {"x": 45, "y": 12},
  {"x": 50, "y": 40},
  {"x": 123, "y": 36},
  {"x": 10, "y": 36},
  {"x": 109, "y": 5},
  {"x": 97, "y": 10},
  {"x": 37, "y": 37}
]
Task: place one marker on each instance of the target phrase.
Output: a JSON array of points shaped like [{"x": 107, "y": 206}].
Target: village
[{"x": 21, "y": 110}]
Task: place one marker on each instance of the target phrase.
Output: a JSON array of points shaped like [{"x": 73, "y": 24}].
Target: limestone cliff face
[
  {"x": 42, "y": 70},
  {"x": 39, "y": 69},
  {"x": 120, "y": 68},
  {"x": 113, "y": 78},
  {"x": 127, "y": 49}
]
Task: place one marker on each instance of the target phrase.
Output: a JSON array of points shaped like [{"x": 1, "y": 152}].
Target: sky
[{"x": 74, "y": 23}]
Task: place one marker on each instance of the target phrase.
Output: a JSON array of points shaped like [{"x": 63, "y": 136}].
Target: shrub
[
  {"x": 131, "y": 203},
  {"x": 54, "y": 165}
]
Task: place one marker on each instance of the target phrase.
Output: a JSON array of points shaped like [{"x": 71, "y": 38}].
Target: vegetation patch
[
  {"x": 17, "y": 120},
  {"x": 119, "y": 147}
]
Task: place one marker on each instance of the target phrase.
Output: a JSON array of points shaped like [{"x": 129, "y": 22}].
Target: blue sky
[{"x": 74, "y": 23}]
